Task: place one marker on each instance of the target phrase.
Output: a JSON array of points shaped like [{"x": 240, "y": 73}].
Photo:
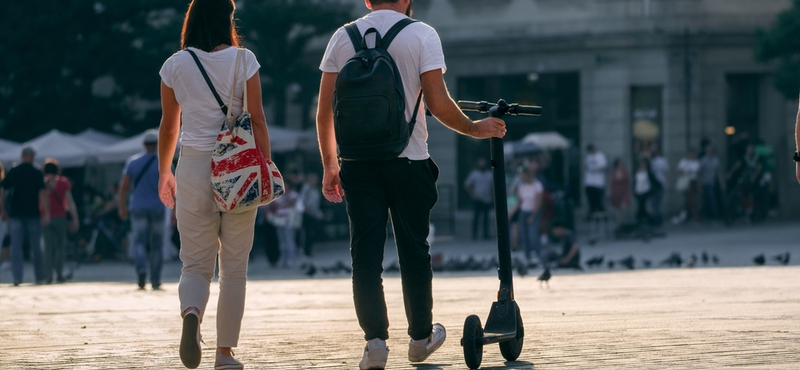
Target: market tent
[
  {"x": 519, "y": 147},
  {"x": 92, "y": 138},
  {"x": 547, "y": 140},
  {"x": 9, "y": 149},
  {"x": 55, "y": 144},
  {"x": 120, "y": 151}
]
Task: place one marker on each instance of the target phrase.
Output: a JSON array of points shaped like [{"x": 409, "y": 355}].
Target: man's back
[
  {"x": 24, "y": 182},
  {"x": 145, "y": 192},
  {"x": 415, "y": 50}
]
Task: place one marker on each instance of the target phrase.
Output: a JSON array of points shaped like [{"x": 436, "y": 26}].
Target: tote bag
[{"x": 241, "y": 177}]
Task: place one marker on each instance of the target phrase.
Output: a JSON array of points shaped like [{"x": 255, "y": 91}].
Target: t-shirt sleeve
[
  {"x": 251, "y": 63},
  {"x": 167, "y": 72},
  {"x": 330, "y": 62},
  {"x": 432, "y": 56},
  {"x": 127, "y": 169}
]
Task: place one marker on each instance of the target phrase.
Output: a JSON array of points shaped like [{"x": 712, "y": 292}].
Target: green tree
[
  {"x": 782, "y": 43},
  {"x": 278, "y": 32},
  {"x": 83, "y": 63}
]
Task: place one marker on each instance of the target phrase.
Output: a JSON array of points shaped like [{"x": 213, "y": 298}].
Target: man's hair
[
  {"x": 50, "y": 166},
  {"x": 380, "y": 2},
  {"x": 208, "y": 24}
]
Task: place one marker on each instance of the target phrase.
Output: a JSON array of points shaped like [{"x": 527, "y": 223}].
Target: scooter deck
[{"x": 502, "y": 322}]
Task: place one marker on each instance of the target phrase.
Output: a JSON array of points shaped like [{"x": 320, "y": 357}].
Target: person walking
[
  {"x": 619, "y": 188},
  {"x": 594, "y": 179},
  {"x": 529, "y": 205},
  {"x": 709, "y": 176},
  {"x": 313, "y": 217},
  {"x": 28, "y": 210},
  {"x": 645, "y": 184},
  {"x": 146, "y": 211},
  {"x": 59, "y": 194},
  {"x": 190, "y": 110},
  {"x": 404, "y": 186},
  {"x": 688, "y": 169},
  {"x": 660, "y": 169},
  {"x": 479, "y": 187}
]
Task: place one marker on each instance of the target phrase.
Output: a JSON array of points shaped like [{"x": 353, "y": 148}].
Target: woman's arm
[
  {"x": 168, "y": 133},
  {"x": 257, "y": 117}
]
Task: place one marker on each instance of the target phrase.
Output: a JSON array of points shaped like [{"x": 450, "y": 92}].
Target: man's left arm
[
  {"x": 122, "y": 195},
  {"x": 331, "y": 184}
]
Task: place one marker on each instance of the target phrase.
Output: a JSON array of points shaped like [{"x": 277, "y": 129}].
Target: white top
[
  {"x": 527, "y": 194},
  {"x": 416, "y": 49},
  {"x": 660, "y": 167},
  {"x": 201, "y": 116},
  {"x": 642, "y": 182},
  {"x": 689, "y": 167},
  {"x": 595, "y": 169}
]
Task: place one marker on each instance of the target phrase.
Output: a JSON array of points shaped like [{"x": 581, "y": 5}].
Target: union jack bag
[{"x": 241, "y": 177}]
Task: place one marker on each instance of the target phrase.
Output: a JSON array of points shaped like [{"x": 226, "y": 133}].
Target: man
[
  {"x": 660, "y": 167},
  {"x": 709, "y": 175},
  {"x": 146, "y": 211},
  {"x": 797, "y": 146},
  {"x": 312, "y": 214},
  {"x": 26, "y": 199},
  {"x": 594, "y": 178},
  {"x": 404, "y": 186},
  {"x": 570, "y": 255},
  {"x": 479, "y": 186}
]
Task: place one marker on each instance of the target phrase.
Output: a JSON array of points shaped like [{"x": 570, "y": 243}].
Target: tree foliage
[
  {"x": 781, "y": 43},
  {"x": 279, "y": 32}
]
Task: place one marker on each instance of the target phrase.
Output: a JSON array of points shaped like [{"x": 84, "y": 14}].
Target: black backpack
[{"x": 369, "y": 102}]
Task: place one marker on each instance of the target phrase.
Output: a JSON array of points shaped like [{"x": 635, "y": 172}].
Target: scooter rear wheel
[
  {"x": 511, "y": 349},
  {"x": 471, "y": 341}
]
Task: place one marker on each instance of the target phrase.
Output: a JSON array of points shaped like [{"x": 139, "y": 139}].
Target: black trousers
[
  {"x": 480, "y": 213},
  {"x": 407, "y": 190},
  {"x": 595, "y": 197}
]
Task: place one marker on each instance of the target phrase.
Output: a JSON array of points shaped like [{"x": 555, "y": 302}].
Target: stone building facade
[{"x": 622, "y": 74}]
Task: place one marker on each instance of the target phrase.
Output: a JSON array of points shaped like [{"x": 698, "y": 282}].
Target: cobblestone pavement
[{"x": 707, "y": 318}]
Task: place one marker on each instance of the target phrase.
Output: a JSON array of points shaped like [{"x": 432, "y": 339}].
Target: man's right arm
[
  {"x": 331, "y": 185},
  {"x": 442, "y": 106}
]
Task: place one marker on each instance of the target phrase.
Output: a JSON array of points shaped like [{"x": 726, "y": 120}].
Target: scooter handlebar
[
  {"x": 525, "y": 110},
  {"x": 512, "y": 109},
  {"x": 478, "y": 106}
]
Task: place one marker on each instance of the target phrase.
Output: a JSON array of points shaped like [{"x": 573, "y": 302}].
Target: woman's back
[{"x": 201, "y": 115}]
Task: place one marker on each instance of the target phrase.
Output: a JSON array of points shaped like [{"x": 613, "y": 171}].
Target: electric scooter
[{"x": 504, "y": 325}]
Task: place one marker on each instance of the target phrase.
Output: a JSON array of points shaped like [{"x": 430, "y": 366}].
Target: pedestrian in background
[
  {"x": 59, "y": 194},
  {"x": 479, "y": 187},
  {"x": 285, "y": 213},
  {"x": 709, "y": 178},
  {"x": 146, "y": 211},
  {"x": 28, "y": 210},
  {"x": 645, "y": 185},
  {"x": 619, "y": 188},
  {"x": 529, "y": 205},
  {"x": 311, "y": 196},
  {"x": 594, "y": 179},
  {"x": 688, "y": 169},
  {"x": 660, "y": 168},
  {"x": 189, "y": 110},
  {"x": 5, "y": 262},
  {"x": 404, "y": 186}
]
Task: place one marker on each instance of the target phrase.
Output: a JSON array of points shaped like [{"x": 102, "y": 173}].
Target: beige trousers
[{"x": 205, "y": 233}]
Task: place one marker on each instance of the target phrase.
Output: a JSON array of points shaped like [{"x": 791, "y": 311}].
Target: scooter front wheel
[
  {"x": 472, "y": 341},
  {"x": 512, "y": 348}
]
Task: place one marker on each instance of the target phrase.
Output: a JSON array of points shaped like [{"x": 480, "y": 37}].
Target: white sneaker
[
  {"x": 375, "y": 355},
  {"x": 223, "y": 362},
  {"x": 418, "y": 352}
]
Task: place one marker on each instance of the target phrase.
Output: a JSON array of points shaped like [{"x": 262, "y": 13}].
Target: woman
[
  {"x": 688, "y": 168},
  {"x": 529, "y": 203},
  {"x": 644, "y": 185},
  {"x": 209, "y": 31},
  {"x": 620, "y": 188},
  {"x": 58, "y": 190}
]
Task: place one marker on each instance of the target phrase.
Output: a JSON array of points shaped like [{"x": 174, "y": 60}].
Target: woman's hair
[
  {"x": 208, "y": 24},
  {"x": 51, "y": 166}
]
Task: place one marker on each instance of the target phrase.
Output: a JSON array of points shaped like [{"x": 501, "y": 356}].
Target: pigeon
[
  {"x": 692, "y": 261},
  {"x": 393, "y": 267},
  {"x": 611, "y": 264},
  {"x": 522, "y": 269},
  {"x": 311, "y": 271},
  {"x": 674, "y": 260},
  {"x": 628, "y": 262},
  {"x": 704, "y": 258},
  {"x": 545, "y": 277},
  {"x": 647, "y": 263},
  {"x": 595, "y": 261},
  {"x": 715, "y": 259},
  {"x": 782, "y": 258},
  {"x": 759, "y": 260}
]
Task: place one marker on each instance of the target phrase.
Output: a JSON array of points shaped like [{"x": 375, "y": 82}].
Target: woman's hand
[{"x": 166, "y": 189}]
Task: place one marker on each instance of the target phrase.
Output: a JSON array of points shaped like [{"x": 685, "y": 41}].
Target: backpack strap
[
  {"x": 392, "y": 32},
  {"x": 222, "y": 105},
  {"x": 355, "y": 36}
]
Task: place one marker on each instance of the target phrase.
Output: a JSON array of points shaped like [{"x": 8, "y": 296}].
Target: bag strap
[
  {"x": 383, "y": 42},
  {"x": 144, "y": 170},
  {"x": 222, "y": 105},
  {"x": 239, "y": 56}
]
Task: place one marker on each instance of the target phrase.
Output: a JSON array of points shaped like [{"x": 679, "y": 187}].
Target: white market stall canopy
[
  {"x": 120, "y": 151},
  {"x": 7, "y": 149},
  {"x": 547, "y": 140},
  {"x": 54, "y": 144}
]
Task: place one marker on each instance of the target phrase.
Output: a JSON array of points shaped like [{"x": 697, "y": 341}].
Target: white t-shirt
[
  {"x": 660, "y": 166},
  {"x": 642, "y": 182},
  {"x": 201, "y": 116},
  {"x": 527, "y": 194},
  {"x": 595, "y": 166},
  {"x": 416, "y": 49},
  {"x": 689, "y": 167}
]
